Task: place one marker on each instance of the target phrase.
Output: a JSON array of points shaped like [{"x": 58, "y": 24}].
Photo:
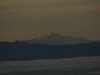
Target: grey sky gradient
[{"x": 27, "y": 19}]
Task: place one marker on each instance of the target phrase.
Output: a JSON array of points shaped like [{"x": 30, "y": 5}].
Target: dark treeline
[{"x": 26, "y": 51}]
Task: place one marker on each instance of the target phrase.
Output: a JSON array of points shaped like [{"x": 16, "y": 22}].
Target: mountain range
[
  {"x": 57, "y": 39},
  {"x": 50, "y": 46}
]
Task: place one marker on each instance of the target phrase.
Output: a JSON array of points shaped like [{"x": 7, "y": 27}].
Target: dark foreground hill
[{"x": 27, "y": 51}]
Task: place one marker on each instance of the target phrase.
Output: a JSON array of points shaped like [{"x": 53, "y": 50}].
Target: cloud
[
  {"x": 43, "y": 7},
  {"x": 5, "y": 2},
  {"x": 53, "y": 66},
  {"x": 56, "y": 10}
]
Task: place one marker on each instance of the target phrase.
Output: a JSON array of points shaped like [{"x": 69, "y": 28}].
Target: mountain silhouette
[{"x": 57, "y": 39}]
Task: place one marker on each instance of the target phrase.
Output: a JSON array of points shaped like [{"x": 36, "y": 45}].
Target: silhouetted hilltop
[
  {"x": 56, "y": 39},
  {"x": 27, "y": 51}
]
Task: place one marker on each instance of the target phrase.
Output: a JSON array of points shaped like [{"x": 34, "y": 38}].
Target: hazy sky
[{"x": 27, "y": 19}]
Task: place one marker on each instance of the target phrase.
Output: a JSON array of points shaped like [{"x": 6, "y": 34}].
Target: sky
[{"x": 27, "y": 19}]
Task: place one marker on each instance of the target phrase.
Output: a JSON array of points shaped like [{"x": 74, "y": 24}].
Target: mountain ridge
[{"x": 57, "y": 39}]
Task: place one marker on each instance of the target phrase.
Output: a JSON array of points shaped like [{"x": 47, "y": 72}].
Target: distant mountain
[{"x": 57, "y": 39}]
